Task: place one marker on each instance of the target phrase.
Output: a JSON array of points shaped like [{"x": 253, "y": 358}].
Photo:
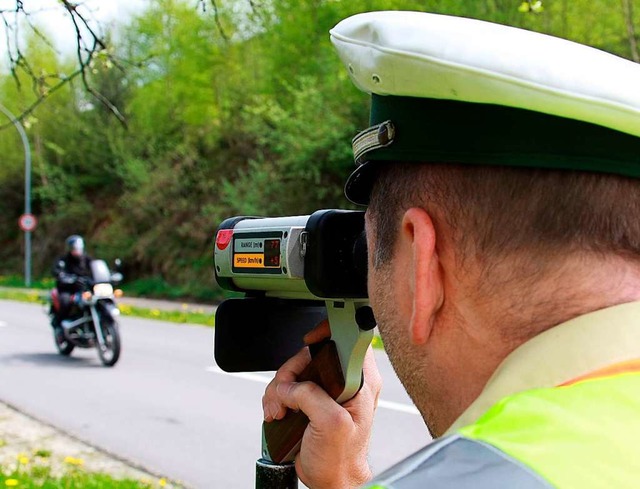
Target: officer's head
[
  {"x": 75, "y": 246},
  {"x": 497, "y": 160},
  {"x": 532, "y": 142}
]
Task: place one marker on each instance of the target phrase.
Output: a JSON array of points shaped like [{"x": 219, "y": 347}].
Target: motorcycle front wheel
[{"x": 110, "y": 352}]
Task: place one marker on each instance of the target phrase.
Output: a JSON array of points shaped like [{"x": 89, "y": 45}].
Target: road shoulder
[{"x": 25, "y": 440}]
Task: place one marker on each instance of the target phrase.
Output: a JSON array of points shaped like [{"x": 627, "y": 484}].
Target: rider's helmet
[{"x": 75, "y": 245}]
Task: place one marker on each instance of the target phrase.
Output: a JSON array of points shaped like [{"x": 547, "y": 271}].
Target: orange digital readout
[{"x": 248, "y": 260}]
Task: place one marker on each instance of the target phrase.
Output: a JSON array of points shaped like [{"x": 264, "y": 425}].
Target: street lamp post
[{"x": 27, "y": 191}]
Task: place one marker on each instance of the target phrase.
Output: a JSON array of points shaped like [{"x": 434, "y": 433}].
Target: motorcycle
[{"x": 91, "y": 321}]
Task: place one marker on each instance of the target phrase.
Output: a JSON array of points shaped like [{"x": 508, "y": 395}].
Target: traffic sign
[{"x": 27, "y": 222}]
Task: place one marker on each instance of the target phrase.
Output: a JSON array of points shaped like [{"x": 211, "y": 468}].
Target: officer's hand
[{"x": 334, "y": 447}]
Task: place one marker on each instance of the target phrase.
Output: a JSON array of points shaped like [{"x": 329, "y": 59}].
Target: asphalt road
[{"x": 165, "y": 406}]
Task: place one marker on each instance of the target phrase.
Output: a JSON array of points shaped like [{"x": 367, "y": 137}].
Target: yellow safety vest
[{"x": 582, "y": 434}]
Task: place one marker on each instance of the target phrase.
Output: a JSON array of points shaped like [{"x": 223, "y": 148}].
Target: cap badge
[{"x": 378, "y": 136}]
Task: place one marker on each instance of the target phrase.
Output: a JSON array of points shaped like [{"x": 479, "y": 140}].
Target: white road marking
[
  {"x": 242, "y": 375},
  {"x": 398, "y": 406},
  {"x": 256, "y": 377}
]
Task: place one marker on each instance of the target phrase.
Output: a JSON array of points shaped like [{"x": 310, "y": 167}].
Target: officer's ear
[{"x": 418, "y": 236}]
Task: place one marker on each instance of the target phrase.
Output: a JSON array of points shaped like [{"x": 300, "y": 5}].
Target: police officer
[
  {"x": 69, "y": 271},
  {"x": 501, "y": 173}
]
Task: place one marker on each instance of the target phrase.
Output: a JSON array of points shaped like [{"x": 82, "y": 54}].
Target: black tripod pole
[{"x": 270, "y": 475}]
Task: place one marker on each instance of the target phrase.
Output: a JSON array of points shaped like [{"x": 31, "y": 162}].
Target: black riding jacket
[{"x": 69, "y": 265}]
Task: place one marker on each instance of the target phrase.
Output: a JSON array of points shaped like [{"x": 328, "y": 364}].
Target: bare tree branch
[
  {"x": 216, "y": 16},
  {"x": 627, "y": 8},
  {"x": 90, "y": 44},
  {"x": 85, "y": 57}
]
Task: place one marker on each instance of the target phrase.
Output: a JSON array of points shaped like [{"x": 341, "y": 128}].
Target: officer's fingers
[
  {"x": 272, "y": 406},
  {"x": 321, "y": 332},
  {"x": 323, "y": 412}
]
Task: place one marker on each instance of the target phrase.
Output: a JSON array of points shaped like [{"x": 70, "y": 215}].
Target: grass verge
[
  {"x": 39, "y": 476},
  {"x": 178, "y": 316},
  {"x": 37, "y": 472},
  {"x": 149, "y": 287},
  {"x": 23, "y": 295}
]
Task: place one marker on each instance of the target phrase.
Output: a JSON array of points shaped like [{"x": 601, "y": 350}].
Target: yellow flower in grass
[
  {"x": 11, "y": 482},
  {"x": 162, "y": 482},
  {"x": 155, "y": 312},
  {"x": 22, "y": 459},
  {"x": 73, "y": 461}
]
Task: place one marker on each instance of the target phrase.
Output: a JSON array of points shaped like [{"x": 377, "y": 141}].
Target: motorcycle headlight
[{"x": 103, "y": 290}]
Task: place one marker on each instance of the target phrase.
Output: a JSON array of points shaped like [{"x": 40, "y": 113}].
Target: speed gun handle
[{"x": 282, "y": 437}]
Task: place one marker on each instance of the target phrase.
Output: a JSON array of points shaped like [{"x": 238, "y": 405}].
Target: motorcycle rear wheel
[
  {"x": 64, "y": 346},
  {"x": 110, "y": 353}
]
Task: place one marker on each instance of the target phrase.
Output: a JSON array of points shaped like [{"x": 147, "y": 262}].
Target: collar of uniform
[{"x": 560, "y": 354}]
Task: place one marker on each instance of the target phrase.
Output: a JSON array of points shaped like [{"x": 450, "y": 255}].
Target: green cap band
[{"x": 447, "y": 131}]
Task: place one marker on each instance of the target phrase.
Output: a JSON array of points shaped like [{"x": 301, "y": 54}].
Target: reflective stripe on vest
[
  {"x": 583, "y": 434},
  {"x": 455, "y": 462}
]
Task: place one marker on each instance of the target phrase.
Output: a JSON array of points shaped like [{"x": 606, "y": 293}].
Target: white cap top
[{"x": 426, "y": 55}]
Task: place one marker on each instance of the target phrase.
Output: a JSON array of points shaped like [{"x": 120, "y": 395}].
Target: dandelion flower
[
  {"x": 23, "y": 459},
  {"x": 11, "y": 482},
  {"x": 73, "y": 461},
  {"x": 162, "y": 482}
]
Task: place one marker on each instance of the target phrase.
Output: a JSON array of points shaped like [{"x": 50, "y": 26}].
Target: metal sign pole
[{"x": 27, "y": 191}]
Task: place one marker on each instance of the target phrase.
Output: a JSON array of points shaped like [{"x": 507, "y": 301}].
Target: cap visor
[{"x": 360, "y": 182}]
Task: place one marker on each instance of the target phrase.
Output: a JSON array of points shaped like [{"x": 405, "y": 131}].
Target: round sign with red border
[{"x": 27, "y": 222}]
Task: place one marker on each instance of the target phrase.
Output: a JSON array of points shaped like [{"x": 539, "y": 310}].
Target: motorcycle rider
[{"x": 69, "y": 270}]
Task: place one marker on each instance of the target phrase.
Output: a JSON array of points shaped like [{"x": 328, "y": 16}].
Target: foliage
[
  {"x": 241, "y": 109},
  {"x": 18, "y": 281}
]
